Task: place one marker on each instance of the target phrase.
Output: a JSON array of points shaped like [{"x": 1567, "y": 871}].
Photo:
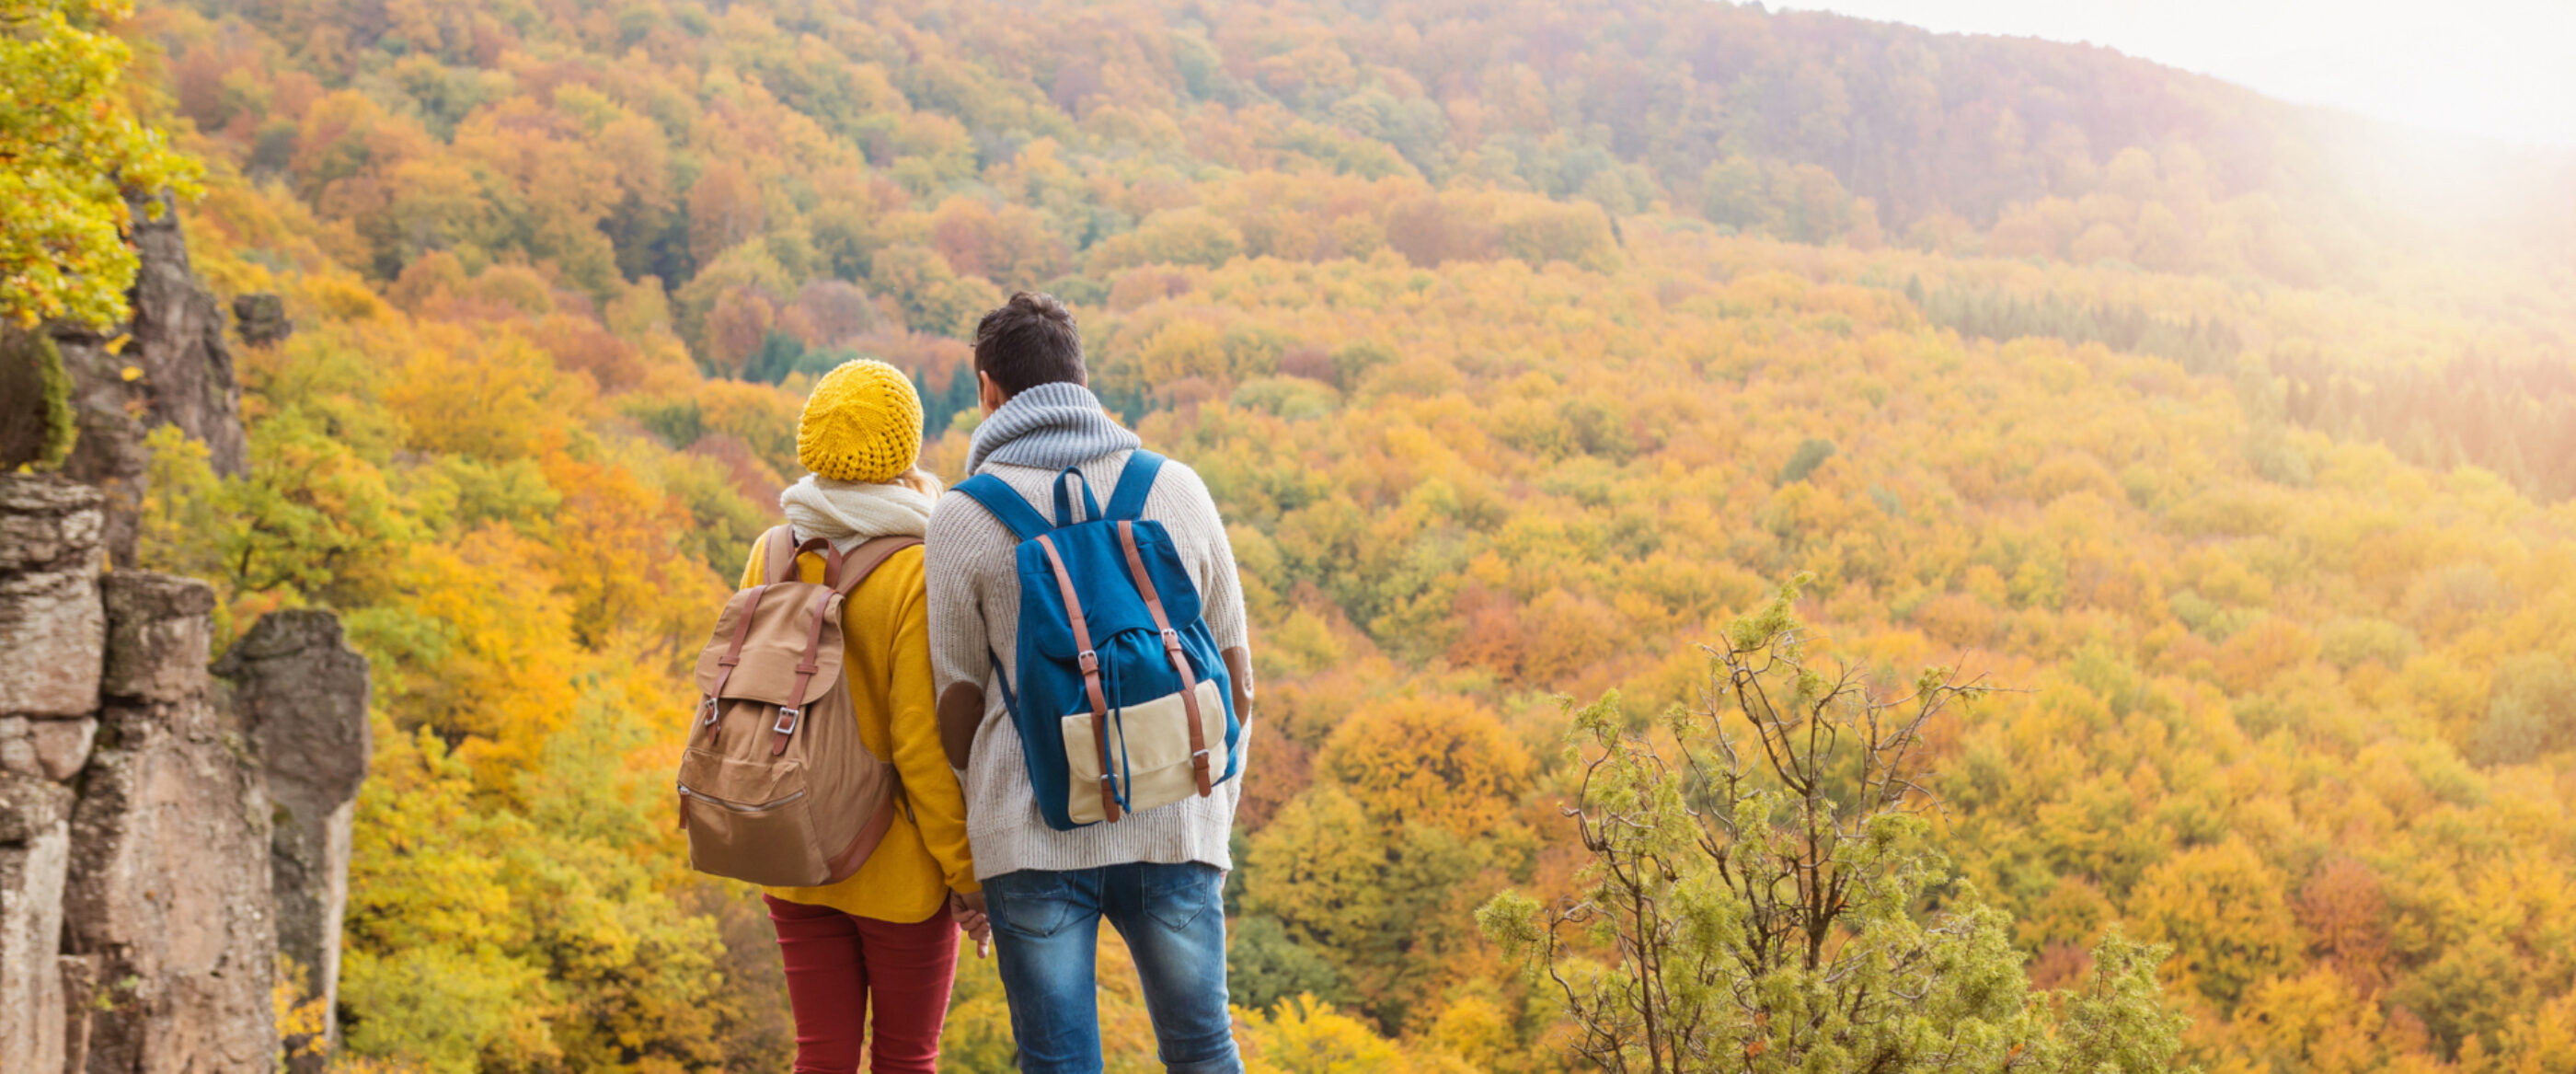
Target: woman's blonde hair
[{"x": 918, "y": 480}]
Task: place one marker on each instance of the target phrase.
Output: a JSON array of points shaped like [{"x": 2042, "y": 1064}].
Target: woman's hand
[{"x": 967, "y": 910}]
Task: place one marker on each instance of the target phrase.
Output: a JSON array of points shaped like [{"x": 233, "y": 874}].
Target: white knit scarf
[{"x": 849, "y": 513}]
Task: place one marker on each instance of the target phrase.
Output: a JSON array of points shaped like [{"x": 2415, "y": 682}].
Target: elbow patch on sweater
[{"x": 961, "y": 712}]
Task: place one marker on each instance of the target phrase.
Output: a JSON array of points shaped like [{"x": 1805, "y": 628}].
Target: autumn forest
[{"x": 1526, "y": 345}]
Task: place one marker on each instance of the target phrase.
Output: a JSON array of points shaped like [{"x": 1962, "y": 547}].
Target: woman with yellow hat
[{"x": 884, "y": 938}]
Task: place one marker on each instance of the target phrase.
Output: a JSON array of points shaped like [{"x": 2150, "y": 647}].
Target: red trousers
[{"x": 834, "y": 959}]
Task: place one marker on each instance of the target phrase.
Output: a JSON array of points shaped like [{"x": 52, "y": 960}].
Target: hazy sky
[{"x": 2502, "y": 68}]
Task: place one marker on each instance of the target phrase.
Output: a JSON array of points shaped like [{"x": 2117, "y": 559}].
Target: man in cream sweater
[{"x": 1156, "y": 875}]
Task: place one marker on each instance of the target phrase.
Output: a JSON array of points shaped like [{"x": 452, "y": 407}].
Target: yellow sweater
[{"x": 885, "y": 629}]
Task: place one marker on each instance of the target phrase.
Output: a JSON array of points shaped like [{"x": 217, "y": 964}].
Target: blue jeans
[{"x": 1046, "y": 930}]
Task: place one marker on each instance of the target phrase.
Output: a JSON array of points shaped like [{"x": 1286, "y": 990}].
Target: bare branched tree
[{"x": 1761, "y": 885}]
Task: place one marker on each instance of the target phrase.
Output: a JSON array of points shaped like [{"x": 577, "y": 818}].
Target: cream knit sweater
[{"x": 974, "y": 611}]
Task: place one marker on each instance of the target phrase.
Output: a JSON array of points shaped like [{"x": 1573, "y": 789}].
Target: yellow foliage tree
[
  {"x": 1440, "y": 761},
  {"x": 2224, "y": 911},
  {"x": 72, "y": 159}
]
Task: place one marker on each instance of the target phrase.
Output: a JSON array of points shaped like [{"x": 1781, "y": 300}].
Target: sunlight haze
[{"x": 2499, "y": 68}]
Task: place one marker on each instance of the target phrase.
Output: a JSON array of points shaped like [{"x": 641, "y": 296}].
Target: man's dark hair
[{"x": 1028, "y": 341}]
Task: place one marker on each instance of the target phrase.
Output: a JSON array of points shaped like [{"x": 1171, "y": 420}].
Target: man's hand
[{"x": 967, "y": 910}]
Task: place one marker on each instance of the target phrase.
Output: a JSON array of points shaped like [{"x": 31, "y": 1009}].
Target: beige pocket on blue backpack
[{"x": 1149, "y": 753}]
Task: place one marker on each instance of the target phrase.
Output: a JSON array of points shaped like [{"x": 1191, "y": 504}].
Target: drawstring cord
[{"x": 1118, "y": 716}]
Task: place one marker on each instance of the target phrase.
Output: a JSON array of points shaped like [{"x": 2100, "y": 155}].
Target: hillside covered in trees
[{"x": 1524, "y": 345}]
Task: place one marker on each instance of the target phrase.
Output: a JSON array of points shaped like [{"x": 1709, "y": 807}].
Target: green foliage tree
[
  {"x": 940, "y": 407},
  {"x": 1374, "y": 903},
  {"x": 1264, "y": 966},
  {"x": 2197, "y": 344},
  {"x": 781, "y": 356},
  {"x": 36, "y": 401},
  {"x": 1811, "y": 453},
  {"x": 2532, "y": 712},
  {"x": 1767, "y": 895}
]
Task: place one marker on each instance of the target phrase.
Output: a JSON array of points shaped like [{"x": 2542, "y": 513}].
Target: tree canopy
[{"x": 1524, "y": 346}]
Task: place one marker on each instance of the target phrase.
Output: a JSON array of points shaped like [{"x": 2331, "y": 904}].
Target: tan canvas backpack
[{"x": 776, "y": 788}]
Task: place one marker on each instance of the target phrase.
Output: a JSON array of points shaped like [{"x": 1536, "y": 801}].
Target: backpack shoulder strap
[
  {"x": 1172, "y": 649},
  {"x": 1001, "y": 675},
  {"x": 1127, "y": 502},
  {"x": 781, "y": 550},
  {"x": 778, "y": 554},
  {"x": 866, "y": 558},
  {"x": 1005, "y": 504}
]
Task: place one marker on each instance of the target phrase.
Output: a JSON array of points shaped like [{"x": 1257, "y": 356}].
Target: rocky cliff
[
  {"x": 302, "y": 693},
  {"x": 170, "y": 365},
  {"x": 165, "y": 834}
]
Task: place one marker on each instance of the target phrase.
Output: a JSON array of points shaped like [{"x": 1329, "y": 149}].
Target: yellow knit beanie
[{"x": 862, "y": 423}]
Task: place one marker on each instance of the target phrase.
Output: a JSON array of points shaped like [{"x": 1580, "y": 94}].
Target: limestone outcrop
[
  {"x": 35, "y": 849},
  {"x": 53, "y": 630},
  {"x": 168, "y": 898},
  {"x": 303, "y": 694},
  {"x": 261, "y": 319},
  {"x": 53, "y": 638}
]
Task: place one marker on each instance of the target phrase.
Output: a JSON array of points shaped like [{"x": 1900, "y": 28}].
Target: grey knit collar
[{"x": 1051, "y": 425}]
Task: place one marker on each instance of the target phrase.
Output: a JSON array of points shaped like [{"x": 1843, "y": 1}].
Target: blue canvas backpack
[{"x": 1117, "y": 691}]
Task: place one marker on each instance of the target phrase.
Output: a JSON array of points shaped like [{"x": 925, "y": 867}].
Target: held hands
[{"x": 968, "y": 912}]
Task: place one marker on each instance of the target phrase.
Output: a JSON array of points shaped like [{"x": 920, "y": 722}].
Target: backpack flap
[
  {"x": 765, "y": 632},
  {"x": 1092, "y": 555},
  {"x": 1107, "y": 611}
]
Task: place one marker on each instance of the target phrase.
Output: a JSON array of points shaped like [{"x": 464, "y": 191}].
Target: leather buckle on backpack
[
  {"x": 1171, "y": 640},
  {"x": 710, "y": 711},
  {"x": 1090, "y": 661},
  {"x": 787, "y": 718}
]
